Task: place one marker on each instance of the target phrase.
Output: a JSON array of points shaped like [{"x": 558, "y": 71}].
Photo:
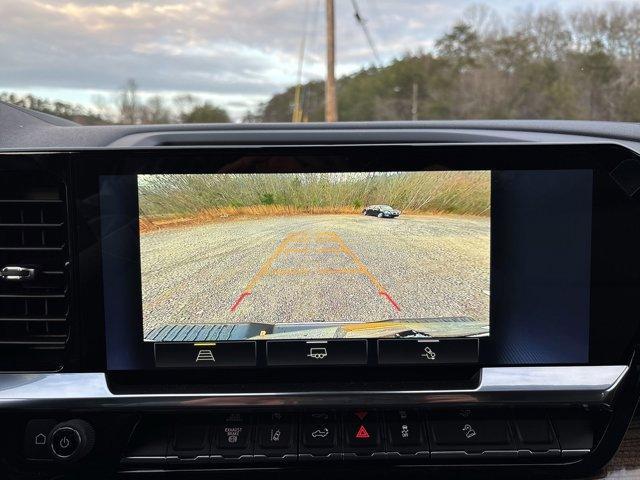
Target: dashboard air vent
[{"x": 34, "y": 272}]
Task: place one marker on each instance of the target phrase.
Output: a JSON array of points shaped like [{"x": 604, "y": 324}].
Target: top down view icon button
[{"x": 205, "y": 356}]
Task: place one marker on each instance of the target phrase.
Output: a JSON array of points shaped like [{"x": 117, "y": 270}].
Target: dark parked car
[{"x": 381, "y": 211}]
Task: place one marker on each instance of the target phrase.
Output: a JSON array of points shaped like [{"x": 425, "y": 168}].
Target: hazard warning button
[{"x": 362, "y": 429}]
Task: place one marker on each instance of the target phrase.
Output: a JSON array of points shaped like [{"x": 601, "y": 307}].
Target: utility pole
[
  {"x": 414, "y": 102},
  {"x": 330, "y": 102}
]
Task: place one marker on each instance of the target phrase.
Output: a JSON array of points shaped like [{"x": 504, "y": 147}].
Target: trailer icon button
[{"x": 318, "y": 353}]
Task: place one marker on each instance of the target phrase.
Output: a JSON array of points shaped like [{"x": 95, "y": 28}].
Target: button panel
[
  {"x": 334, "y": 352},
  {"x": 403, "y": 435}
]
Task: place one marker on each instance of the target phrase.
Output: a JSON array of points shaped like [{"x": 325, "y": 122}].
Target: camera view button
[
  {"x": 427, "y": 352},
  {"x": 205, "y": 354},
  {"x": 321, "y": 352}
]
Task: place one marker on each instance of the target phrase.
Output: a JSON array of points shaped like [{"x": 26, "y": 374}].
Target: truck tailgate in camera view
[{"x": 300, "y": 256}]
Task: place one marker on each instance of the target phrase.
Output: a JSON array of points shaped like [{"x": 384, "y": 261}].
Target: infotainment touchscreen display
[
  {"x": 315, "y": 255},
  {"x": 278, "y": 260}
]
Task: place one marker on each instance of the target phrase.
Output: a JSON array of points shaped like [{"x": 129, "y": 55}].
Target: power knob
[{"x": 72, "y": 440}]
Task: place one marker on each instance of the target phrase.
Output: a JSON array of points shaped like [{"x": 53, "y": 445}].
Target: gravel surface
[{"x": 322, "y": 268}]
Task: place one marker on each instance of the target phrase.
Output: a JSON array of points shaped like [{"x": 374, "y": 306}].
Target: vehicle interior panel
[{"x": 443, "y": 299}]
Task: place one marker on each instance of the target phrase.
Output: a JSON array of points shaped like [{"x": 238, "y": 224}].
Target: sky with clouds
[{"x": 236, "y": 53}]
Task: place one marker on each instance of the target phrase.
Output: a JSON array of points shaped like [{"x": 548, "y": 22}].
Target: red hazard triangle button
[{"x": 362, "y": 432}]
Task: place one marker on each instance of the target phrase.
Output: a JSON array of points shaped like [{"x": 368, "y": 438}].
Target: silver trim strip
[{"x": 517, "y": 385}]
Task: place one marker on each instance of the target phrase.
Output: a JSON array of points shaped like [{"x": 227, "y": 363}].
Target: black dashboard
[{"x": 239, "y": 300}]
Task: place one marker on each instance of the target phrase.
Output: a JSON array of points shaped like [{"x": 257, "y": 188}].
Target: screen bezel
[{"x": 610, "y": 207}]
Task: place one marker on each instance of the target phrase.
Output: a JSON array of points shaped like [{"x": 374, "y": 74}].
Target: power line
[
  {"x": 363, "y": 23},
  {"x": 311, "y": 48},
  {"x": 297, "y": 110},
  {"x": 330, "y": 99}
]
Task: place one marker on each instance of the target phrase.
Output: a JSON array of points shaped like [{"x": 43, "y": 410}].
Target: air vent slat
[
  {"x": 32, "y": 201},
  {"x": 34, "y": 275},
  {"x": 32, "y": 249},
  {"x": 30, "y": 225},
  {"x": 33, "y": 319},
  {"x": 35, "y": 340},
  {"x": 30, "y": 296}
]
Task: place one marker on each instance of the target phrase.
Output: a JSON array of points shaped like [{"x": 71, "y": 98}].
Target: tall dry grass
[{"x": 176, "y": 199}]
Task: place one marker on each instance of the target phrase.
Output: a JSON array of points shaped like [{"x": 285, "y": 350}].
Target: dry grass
[
  {"x": 218, "y": 215},
  {"x": 169, "y": 201},
  {"x": 222, "y": 214}
]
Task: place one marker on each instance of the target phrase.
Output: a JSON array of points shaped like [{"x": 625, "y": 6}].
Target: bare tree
[
  {"x": 128, "y": 103},
  {"x": 156, "y": 110}
]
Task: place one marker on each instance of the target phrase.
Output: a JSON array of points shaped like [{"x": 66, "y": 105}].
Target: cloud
[{"x": 224, "y": 49}]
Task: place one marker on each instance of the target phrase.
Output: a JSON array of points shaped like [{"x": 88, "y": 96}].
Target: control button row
[
  {"x": 356, "y": 435},
  {"x": 317, "y": 352}
]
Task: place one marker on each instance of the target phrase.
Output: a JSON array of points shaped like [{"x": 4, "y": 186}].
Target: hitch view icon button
[{"x": 427, "y": 352}]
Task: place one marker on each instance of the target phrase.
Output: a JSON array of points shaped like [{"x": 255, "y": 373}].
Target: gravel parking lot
[{"x": 322, "y": 268}]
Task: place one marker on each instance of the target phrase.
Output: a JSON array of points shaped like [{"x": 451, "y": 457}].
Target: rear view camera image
[{"x": 315, "y": 256}]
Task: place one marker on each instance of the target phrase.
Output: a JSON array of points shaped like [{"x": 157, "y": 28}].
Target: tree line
[
  {"x": 580, "y": 64},
  {"x": 128, "y": 108}
]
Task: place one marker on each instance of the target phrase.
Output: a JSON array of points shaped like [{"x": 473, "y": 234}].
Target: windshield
[{"x": 166, "y": 61}]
